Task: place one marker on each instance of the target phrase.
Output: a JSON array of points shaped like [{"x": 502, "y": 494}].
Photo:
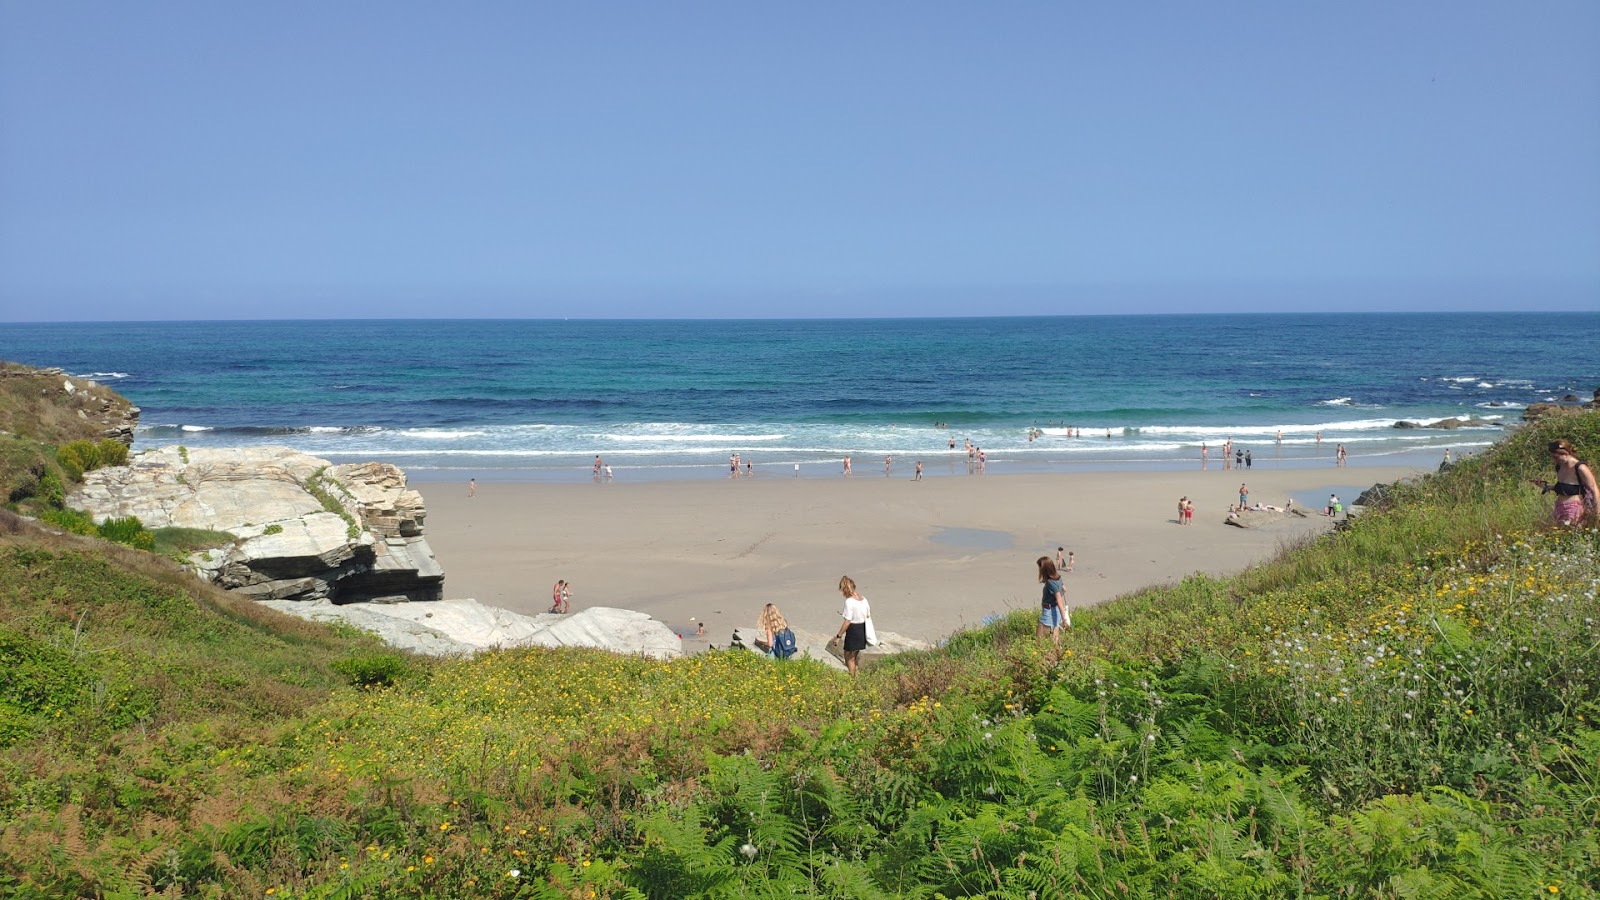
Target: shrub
[
  {"x": 22, "y": 464},
  {"x": 370, "y": 670},
  {"x": 51, "y": 493},
  {"x": 112, "y": 452},
  {"x": 70, "y": 462},
  {"x": 69, "y": 520},
  {"x": 274, "y": 528},
  {"x": 128, "y": 531}
]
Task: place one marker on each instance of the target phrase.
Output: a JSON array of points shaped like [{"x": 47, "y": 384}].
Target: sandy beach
[{"x": 932, "y": 557}]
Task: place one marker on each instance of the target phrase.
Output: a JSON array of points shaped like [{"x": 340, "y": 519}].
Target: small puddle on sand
[{"x": 972, "y": 538}]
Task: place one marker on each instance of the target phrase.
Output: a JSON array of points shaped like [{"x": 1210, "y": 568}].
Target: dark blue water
[{"x": 522, "y": 398}]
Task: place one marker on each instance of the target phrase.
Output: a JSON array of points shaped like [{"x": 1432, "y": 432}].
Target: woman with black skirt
[{"x": 853, "y": 631}]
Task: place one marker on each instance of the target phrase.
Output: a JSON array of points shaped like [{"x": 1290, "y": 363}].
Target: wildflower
[
  {"x": 514, "y": 873},
  {"x": 748, "y": 851}
]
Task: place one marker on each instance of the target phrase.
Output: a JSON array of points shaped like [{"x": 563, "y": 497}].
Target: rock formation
[
  {"x": 1450, "y": 424},
  {"x": 51, "y": 406},
  {"x": 458, "y": 627},
  {"x": 304, "y": 529}
]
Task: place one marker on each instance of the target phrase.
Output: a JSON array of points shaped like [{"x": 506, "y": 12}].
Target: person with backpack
[{"x": 776, "y": 635}]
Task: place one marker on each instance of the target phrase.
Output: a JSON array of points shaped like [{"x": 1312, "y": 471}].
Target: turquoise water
[{"x": 539, "y": 399}]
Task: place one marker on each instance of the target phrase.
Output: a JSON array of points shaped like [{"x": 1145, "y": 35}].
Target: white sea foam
[
  {"x": 102, "y": 375},
  {"x": 725, "y": 438},
  {"x": 436, "y": 434},
  {"x": 197, "y": 428},
  {"x": 1338, "y": 401}
]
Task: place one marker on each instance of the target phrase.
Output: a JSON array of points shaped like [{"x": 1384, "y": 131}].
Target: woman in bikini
[{"x": 1574, "y": 487}]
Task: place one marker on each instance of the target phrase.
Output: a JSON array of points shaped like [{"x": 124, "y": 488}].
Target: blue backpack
[{"x": 783, "y": 645}]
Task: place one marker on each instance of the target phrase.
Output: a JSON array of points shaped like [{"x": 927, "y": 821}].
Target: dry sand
[{"x": 932, "y": 557}]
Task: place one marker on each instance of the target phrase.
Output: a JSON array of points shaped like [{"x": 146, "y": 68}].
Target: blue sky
[{"x": 229, "y": 160}]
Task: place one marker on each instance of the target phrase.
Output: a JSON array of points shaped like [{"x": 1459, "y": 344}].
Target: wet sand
[{"x": 932, "y": 557}]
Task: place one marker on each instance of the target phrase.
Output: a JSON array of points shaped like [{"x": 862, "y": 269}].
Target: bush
[
  {"x": 22, "y": 464},
  {"x": 70, "y": 462},
  {"x": 69, "y": 520},
  {"x": 112, "y": 452},
  {"x": 371, "y": 670},
  {"x": 128, "y": 531},
  {"x": 51, "y": 493},
  {"x": 273, "y": 529}
]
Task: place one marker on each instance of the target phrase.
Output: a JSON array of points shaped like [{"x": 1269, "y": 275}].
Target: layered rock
[{"x": 305, "y": 529}]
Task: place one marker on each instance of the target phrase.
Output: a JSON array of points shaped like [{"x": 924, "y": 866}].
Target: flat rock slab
[{"x": 451, "y": 627}]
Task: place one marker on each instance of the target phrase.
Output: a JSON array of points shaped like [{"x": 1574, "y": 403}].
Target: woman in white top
[{"x": 853, "y": 631}]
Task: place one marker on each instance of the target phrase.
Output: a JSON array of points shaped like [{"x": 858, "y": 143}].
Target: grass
[{"x": 1404, "y": 708}]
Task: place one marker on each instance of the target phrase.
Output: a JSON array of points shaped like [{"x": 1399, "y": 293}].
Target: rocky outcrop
[
  {"x": 51, "y": 406},
  {"x": 1569, "y": 405},
  {"x": 304, "y": 529},
  {"x": 452, "y": 627},
  {"x": 1450, "y": 424}
]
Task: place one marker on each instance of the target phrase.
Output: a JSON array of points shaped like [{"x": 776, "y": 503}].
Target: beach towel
[{"x": 872, "y": 633}]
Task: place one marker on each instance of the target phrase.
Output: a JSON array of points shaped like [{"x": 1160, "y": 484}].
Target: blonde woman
[
  {"x": 1574, "y": 486},
  {"x": 773, "y": 639},
  {"x": 853, "y": 630}
]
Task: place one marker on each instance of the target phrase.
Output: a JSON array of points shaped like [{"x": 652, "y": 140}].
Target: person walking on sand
[
  {"x": 597, "y": 465},
  {"x": 1183, "y": 506},
  {"x": 1205, "y": 455},
  {"x": 887, "y": 462},
  {"x": 1052, "y": 601},
  {"x": 919, "y": 471},
  {"x": 853, "y": 630},
  {"x": 472, "y": 487},
  {"x": 1244, "y": 496},
  {"x": 1574, "y": 487},
  {"x": 1061, "y": 561},
  {"x": 1333, "y": 504},
  {"x": 555, "y": 596},
  {"x": 566, "y": 597}
]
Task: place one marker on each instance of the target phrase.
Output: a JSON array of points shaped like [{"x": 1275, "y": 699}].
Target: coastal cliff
[
  {"x": 51, "y": 406},
  {"x": 304, "y": 529}
]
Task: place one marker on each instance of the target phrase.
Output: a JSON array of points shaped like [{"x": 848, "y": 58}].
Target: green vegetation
[
  {"x": 1404, "y": 708},
  {"x": 78, "y": 457},
  {"x": 177, "y": 543},
  {"x": 322, "y": 488}
]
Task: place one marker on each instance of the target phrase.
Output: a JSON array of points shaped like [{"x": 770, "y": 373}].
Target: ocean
[{"x": 539, "y": 399}]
